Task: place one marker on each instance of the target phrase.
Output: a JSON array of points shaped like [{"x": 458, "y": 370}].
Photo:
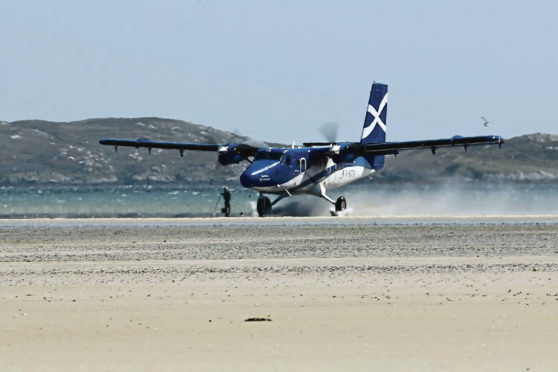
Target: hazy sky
[{"x": 278, "y": 70}]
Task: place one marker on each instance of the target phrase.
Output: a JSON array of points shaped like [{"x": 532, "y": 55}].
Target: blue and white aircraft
[{"x": 314, "y": 167}]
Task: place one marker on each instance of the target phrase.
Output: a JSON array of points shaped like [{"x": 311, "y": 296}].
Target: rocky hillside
[
  {"x": 49, "y": 152},
  {"x": 532, "y": 158},
  {"x": 69, "y": 153}
]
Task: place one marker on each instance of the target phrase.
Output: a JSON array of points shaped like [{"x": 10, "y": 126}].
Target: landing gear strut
[
  {"x": 340, "y": 203},
  {"x": 264, "y": 205}
]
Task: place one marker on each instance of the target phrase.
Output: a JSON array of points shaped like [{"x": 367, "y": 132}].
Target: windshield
[{"x": 271, "y": 155}]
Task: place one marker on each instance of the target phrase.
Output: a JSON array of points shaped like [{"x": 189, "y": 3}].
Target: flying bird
[{"x": 486, "y": 122}]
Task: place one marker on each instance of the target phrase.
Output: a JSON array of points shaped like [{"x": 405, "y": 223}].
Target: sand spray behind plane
[
  {"x": 455, "y": 199},
  {"x": 432, "y": 200}
]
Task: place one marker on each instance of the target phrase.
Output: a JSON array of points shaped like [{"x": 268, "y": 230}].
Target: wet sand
[{"x": 332, "y": 294}]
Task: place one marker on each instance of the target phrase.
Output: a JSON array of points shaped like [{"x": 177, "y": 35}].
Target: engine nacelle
[
  {"x": 339, "y": 155},
  {"x": 231, "y": 154},
  {"x": 343, "y": 157}
]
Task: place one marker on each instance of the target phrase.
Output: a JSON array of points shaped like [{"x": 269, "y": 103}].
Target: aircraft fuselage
[{"x": 300, "y": 171}]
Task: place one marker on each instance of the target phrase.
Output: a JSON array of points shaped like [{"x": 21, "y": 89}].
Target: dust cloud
[{"x": 435, "y": 200}]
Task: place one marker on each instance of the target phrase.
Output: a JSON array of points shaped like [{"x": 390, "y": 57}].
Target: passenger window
[{"x": 302, "y": 164}]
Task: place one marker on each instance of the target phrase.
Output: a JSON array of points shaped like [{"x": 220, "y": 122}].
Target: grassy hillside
[
  {"x": 69, "y": 153},
  {"x": 532, "y": 157},
  {"x": 49, "y": 152}
]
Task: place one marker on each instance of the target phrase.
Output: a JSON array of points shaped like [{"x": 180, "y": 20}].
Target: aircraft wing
[
  {"x": 230, "y": 153},
  {"x": 393, "y": 148},
  {"x": 143, "y": 142}
]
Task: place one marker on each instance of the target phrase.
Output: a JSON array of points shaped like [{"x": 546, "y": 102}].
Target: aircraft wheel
[
  {"x": 264, "y": 206},
  {"x": 340, "y": 204}
]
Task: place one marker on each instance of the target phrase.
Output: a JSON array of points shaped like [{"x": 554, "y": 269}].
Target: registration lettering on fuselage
[{"x": 349, "y": 173}]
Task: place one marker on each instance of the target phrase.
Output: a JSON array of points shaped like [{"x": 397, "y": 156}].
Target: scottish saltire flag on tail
[{"x": 374, "y": 130}]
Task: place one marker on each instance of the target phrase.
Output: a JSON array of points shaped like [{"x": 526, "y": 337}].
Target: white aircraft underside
[{"x": 314, "y": 184}]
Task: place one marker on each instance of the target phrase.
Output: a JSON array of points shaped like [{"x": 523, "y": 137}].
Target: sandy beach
[{"x": 330, "y": 294}]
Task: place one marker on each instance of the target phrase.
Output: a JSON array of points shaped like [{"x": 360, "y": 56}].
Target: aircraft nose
[{"x": 247, "y": 180}]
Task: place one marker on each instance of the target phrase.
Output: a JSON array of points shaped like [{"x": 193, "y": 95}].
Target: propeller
[
  {"x": 329, "y": 131},
  {"x": 238, "y": 137}
]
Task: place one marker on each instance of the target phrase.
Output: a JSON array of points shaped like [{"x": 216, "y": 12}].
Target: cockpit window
[
  {"x": 286, "y": 158},
  {"x": 271, "y": 155}
]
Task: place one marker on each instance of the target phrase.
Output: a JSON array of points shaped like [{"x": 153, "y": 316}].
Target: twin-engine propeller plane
[{"x": 314, "y": 167}]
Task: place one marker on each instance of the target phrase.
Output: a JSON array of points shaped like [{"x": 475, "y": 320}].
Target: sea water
[
  {"x": 118, "y": 201},
  {"x": 370, "y": 199}
]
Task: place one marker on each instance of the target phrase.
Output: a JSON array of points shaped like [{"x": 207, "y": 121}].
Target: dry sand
[{"x": 340, "y": 294}]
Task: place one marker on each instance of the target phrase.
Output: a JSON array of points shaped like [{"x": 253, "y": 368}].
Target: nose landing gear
[{"x": 264, "y": 205}]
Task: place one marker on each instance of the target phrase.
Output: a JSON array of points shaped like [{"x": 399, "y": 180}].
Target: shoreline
[{"x": 395, "y": 219}]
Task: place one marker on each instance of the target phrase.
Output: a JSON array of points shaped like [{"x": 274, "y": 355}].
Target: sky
[{"x": 278, "y": 70}]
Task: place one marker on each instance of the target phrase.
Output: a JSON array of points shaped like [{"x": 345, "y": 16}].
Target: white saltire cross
[{"x": 377, "y": 120}]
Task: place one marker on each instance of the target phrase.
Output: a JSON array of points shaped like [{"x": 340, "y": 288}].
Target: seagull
[{"x": 486, "y": 122}]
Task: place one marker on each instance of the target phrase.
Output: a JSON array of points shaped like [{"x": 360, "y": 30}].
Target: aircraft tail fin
[{"x": 374, "y": 130}]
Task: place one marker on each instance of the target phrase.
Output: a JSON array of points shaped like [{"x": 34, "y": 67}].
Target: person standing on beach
[{"x": 227, "y": 197}]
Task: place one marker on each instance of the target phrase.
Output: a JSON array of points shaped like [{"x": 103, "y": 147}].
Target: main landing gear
[
  {"x": 340, "y": 207},
  {"x": 340, "y": 204}
]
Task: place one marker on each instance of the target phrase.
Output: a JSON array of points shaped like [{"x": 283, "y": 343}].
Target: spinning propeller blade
[{"x": 329, "y": 131}]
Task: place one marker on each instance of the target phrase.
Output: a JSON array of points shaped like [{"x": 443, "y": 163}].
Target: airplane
[{"x": 314, "y": 167}]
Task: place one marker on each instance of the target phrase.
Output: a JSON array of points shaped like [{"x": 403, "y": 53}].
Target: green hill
[
  {"x": 532, "y": 157},
  {"x": 69, "y": 153},
  {"x": 40, "y": 152}
]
